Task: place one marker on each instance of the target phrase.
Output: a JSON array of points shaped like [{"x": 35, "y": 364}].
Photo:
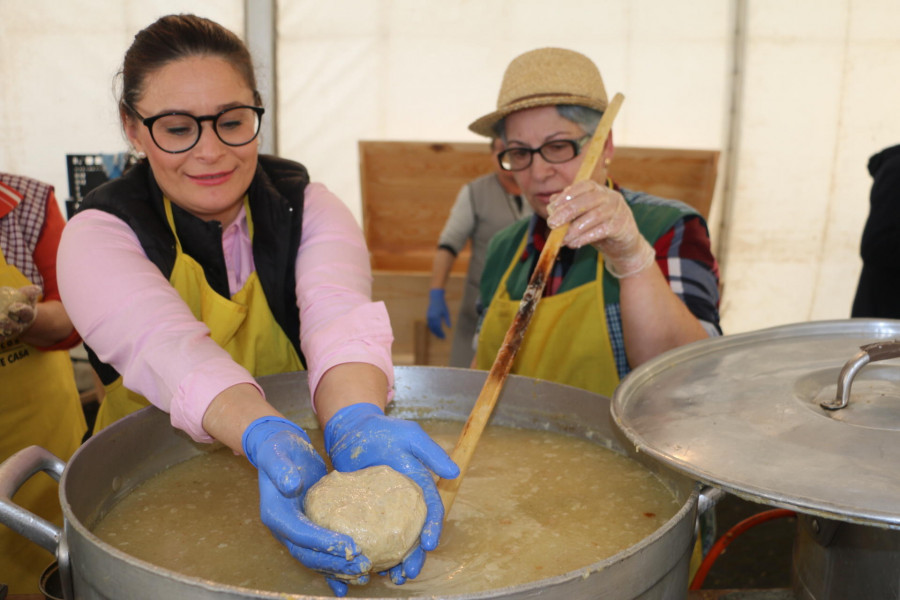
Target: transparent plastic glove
[
  {"x": 18, "y": 310},
  {"x": 361, "y": 436},
  {"x": 600, "y": 216},
  {"x": 288, "y": 466},
  {"x": 437, "y": 312}
]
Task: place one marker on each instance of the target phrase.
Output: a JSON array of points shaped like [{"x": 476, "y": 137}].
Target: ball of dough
[
  {"x": 380, "y": 508},
  {"x": 17, "y": 310}
]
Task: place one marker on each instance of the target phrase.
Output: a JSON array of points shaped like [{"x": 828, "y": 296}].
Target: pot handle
[
  {"x": 868, "y": 353},
  {"x": 14, "y": 472},
  {"x": 708, "y": 498}
]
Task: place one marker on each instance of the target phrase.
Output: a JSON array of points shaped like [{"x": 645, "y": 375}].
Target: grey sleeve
[{"x": 460, "y": 224}]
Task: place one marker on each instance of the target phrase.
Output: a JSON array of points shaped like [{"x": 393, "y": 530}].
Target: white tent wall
[
  {"x": 808, "y": 99},
  {"x": 414, "y": 70},
  {"x": 58, "y": 61},
  {"x": 819, "y": 98}
]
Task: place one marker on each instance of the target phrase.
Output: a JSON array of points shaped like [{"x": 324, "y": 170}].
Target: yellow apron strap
[
  {"x": 567, "y": 340},
  {"x": 242, "y": 325}
]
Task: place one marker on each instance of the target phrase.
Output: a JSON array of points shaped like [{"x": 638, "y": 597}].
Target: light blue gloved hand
[
  {"x": 437, "y": 312},
  {"x": 288, "y": 466},
  {"x": 361, "y": 436}
]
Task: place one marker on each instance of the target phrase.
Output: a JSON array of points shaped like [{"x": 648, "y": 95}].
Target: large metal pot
[
  {"x": 787, "y": 416},
  {"x": 134, "y": 449}
]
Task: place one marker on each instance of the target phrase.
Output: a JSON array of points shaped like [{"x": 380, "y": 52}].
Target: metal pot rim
[
  {"x": 742, "y": 412},
  {"x": 78, "y": 533}
]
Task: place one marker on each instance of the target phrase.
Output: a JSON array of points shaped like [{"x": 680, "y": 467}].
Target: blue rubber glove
[
  {"x": 288, "y": 466},
  {"x": 361, "y": 436},
  {"x": 437, "y": 312}
]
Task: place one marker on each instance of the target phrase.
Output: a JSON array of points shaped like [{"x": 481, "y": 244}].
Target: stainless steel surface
[
  {"x": 14, "y": 472},
  {"x": 709, "y": 497},
  {"x": 835, "y": 560},
  {"x": 113, "y": 462},
  {"x": 867, "y": 354},
  {"x": 743, "y": 413}
]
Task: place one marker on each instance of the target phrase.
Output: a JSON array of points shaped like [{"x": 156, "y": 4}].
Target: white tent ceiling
[{"x": 796, "y": 95}]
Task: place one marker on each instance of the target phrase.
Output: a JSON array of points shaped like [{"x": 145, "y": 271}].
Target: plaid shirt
[
  {"x": 23, "y": 209},
  {"x": 31, "y": 224}
]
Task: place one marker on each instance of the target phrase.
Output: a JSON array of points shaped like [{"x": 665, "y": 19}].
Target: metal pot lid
[{"x": 745, "y": 413}]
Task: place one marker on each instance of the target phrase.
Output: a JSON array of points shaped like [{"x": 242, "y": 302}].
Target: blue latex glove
[
  {"x": 361, "y": 436},
  {"x": 437, "y": 312},
  {"x": 288, "y": 466}
]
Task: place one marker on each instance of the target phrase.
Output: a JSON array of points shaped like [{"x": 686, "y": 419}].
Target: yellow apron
[
  {"x": 243, "y": 326},
  {"x": 566, "y": 341},
  {"x": 41, "y": 406}
]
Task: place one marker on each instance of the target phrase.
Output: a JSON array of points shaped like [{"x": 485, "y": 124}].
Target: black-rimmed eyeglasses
[
  {"x": 555, "y": 151},
  {"x": 178, "y": 132}
]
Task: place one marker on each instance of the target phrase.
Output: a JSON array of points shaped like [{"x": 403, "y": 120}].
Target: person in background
[
  {"x": 482, "y": 208},
  {"x": 636, "y": 275},
  {"x": 40, "y": 400},
  {"x": 878, "y": 290},
  {"x": 207, "y": 265}
]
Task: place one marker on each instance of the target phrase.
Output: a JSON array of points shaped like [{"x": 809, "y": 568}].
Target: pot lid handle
[{"x": 868, "y": 353}]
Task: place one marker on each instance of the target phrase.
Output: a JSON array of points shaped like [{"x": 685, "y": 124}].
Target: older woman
[
  {"x": 207, "y": 265},
  {"x": 636, "y": 276}
]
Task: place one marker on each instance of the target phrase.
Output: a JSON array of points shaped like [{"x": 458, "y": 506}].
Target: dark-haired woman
[{"x": 207, "y": 265}]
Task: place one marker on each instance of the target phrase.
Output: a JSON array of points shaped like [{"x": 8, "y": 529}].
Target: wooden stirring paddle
[{"x": 484, "y": 405}]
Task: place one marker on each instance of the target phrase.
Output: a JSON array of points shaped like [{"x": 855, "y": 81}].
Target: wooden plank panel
[
  {"x": 686, "y": 175},
  {"x": 406, "y": 296},
  {"x": 408, "y": 189}
]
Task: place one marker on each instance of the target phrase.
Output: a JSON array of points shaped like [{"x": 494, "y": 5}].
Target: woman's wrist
[{"x": 634, "y": 264}]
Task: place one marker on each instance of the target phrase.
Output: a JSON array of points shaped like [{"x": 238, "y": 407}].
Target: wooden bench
[{"x": 408, "y": 189}]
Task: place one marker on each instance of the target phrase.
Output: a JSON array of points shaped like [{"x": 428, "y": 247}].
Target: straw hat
[{"x": 543, "y": 77}]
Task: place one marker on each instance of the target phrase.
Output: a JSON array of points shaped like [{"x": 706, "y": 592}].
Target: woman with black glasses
[
  {"x": 207, "y": 265},
  {"x": 636, "y": 276}
]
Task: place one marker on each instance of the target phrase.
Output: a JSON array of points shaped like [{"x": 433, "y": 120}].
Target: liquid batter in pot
[{"x": 533, "y": 505}]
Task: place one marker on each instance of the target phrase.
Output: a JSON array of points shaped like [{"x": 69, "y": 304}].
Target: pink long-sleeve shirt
[{"x": 129, "y": 314}]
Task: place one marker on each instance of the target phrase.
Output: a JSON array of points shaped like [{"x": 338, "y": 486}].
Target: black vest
[{"x": 276, "y": 205}]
